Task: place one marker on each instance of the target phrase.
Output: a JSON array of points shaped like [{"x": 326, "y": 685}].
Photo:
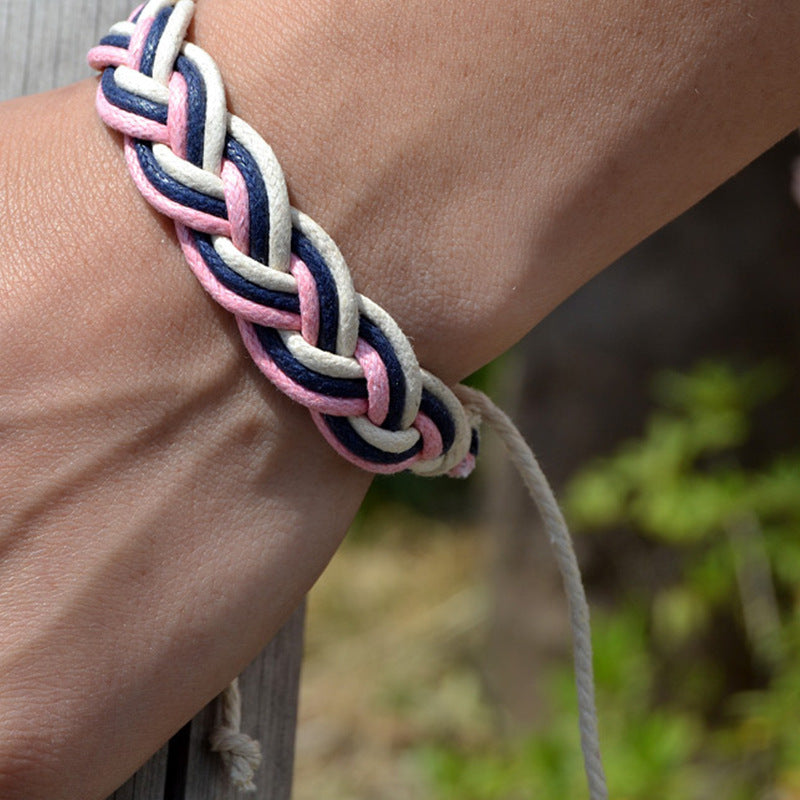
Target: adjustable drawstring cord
[
  {"x": 240, "y": 754},
  {"x": 536, "y": 483},
  {"x": 237, "y": 748}
]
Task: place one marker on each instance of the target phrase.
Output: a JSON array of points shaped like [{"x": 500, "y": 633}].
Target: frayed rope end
[{"x": 241, "y": 756}]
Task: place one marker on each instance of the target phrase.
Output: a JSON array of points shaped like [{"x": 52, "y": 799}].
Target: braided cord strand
[
  {"x": 240, "y": 754},
  {"x": 307, "y": 329}
]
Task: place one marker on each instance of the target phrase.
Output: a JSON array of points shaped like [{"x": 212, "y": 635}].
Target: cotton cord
[
  {"x": 524, "y": 460},
  {"x": 307, "y": 329},
  {"x": 241, "y": 755}
]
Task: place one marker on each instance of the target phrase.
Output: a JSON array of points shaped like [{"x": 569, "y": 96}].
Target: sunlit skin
[{"x": 163, "y": 509}]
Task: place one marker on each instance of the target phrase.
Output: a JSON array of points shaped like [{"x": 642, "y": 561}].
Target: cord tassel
[{"x": 241, "y": 755}]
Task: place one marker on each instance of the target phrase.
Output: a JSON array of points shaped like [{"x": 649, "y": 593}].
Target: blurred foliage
[
  {"x": 646, "y": 750},
  {"x": 698, "y": 670}
]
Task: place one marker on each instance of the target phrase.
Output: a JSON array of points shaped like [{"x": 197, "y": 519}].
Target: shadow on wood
[{"x": 186, "y": 769}]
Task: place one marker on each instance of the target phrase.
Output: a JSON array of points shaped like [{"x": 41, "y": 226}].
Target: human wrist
[
  {"x": 477, "y": 168},
  {"x": 370, "y": 166}
]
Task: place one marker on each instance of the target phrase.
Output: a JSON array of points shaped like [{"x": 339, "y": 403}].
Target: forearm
[
  {"x": 477, "y": 162},
  {"x": 474, "y": 170},
  {"x": 162, "y": 510}
]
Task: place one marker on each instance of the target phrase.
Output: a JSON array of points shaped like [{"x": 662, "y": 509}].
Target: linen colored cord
[
  {"x": 240, "y": 754},
  {"x": 307, "y": 329},
  {"x": 538, "y": 487}
]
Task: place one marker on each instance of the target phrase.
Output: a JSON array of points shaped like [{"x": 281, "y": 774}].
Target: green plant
[
  {"x": 697, "y": 672},
  {"x": 645, "y": 751},
  {"x": 734, "y": 533}
]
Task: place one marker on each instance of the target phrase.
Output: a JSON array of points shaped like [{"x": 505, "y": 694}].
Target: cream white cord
[
  {"x": 535, "y": 481},
  {"x": 240, "y": 754}
]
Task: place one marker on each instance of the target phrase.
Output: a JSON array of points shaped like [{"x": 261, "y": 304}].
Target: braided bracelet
[{"x": 319, "y": 341}]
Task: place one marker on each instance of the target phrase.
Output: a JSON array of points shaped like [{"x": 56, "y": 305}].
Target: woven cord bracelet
[{"x": 307, "y": 329}]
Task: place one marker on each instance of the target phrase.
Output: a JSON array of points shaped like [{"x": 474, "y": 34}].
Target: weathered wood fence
[{"x": 42, "y": 46}]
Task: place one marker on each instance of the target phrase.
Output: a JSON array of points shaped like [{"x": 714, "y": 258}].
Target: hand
[{"x": 163, "y": 509}]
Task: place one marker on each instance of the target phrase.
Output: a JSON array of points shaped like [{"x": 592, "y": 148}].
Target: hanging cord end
[
  {"x": 240, "y": 754},
  {"x": 479, "y": 406}
]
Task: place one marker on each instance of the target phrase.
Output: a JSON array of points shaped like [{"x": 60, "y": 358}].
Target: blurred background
[{"x": 663, "y": 401}]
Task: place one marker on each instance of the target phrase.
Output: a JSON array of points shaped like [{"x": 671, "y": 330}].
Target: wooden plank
[
  {"x": 186, "y": 769},
  {"x": 43, "y": 45},
  {"x": 148, "y": 783},
  {"x": 269, "y": 689}
]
